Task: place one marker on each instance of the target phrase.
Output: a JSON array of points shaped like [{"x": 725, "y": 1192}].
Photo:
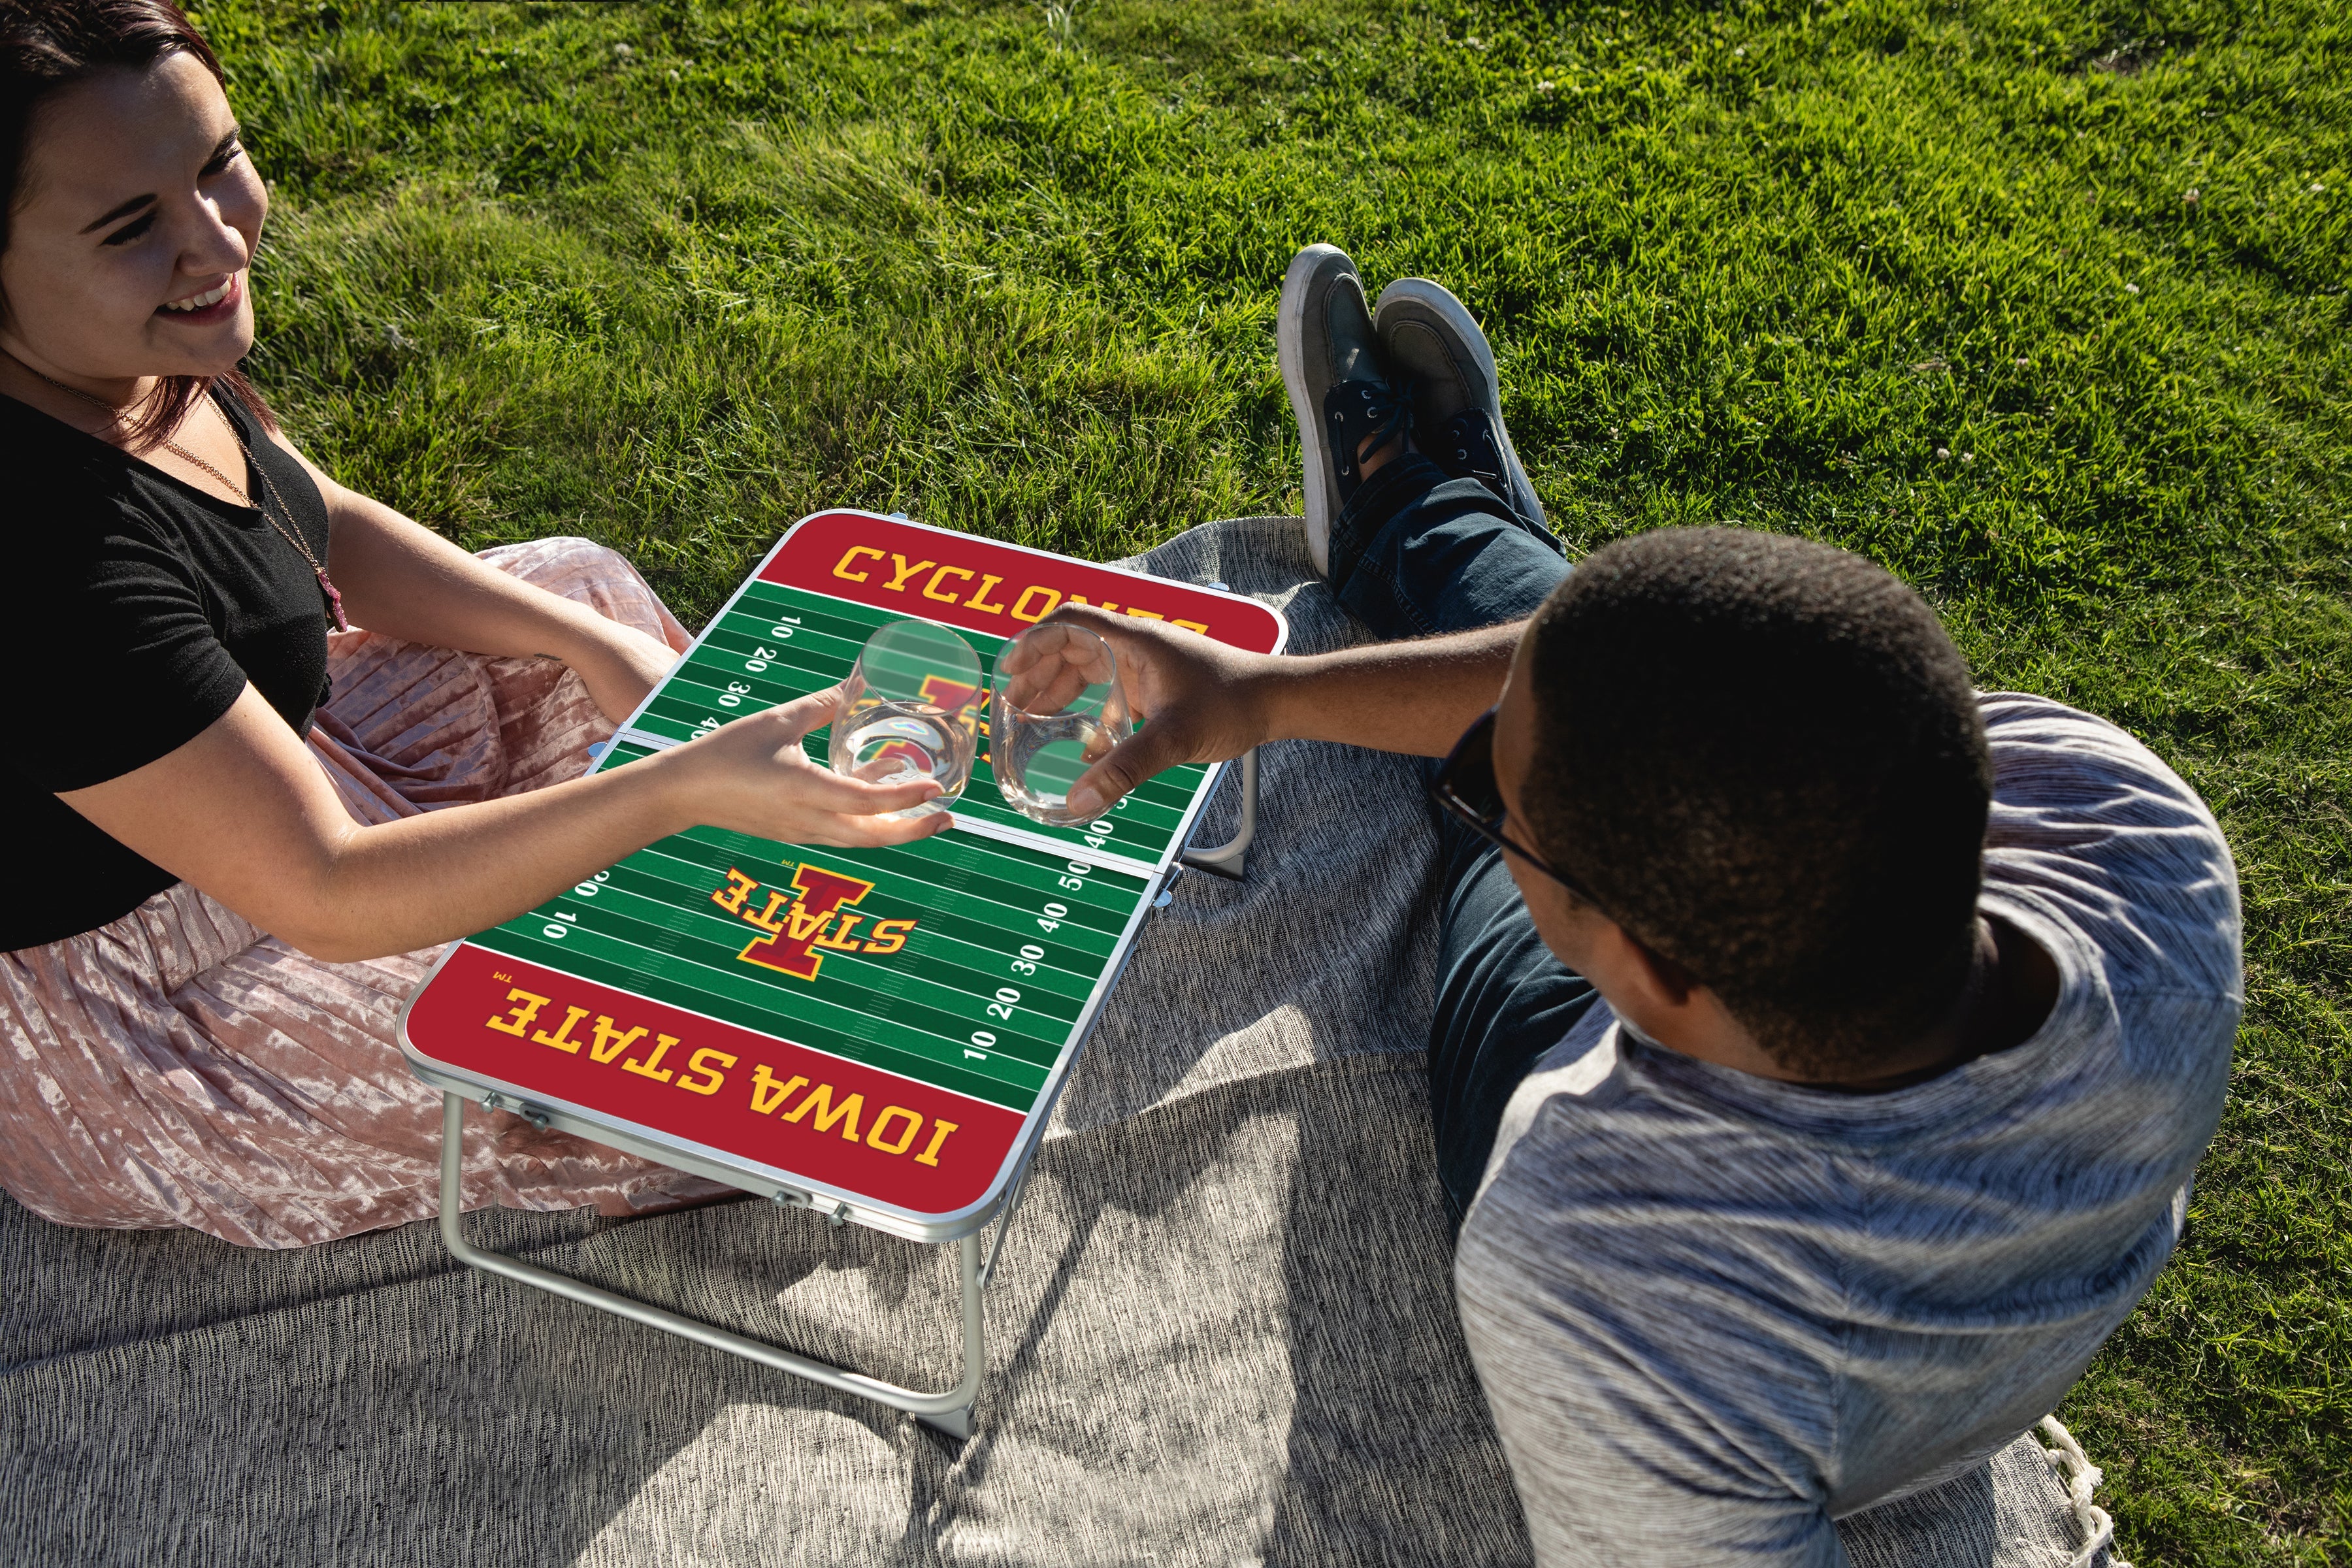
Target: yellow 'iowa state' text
[{"x": 893, "y": 1129}]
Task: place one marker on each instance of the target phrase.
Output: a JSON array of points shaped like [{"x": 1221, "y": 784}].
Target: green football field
[
  {"x": 2041, "y": 304},
  {"x": 662, "y": 922}
]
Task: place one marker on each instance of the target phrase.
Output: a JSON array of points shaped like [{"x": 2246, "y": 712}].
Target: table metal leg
[
  {"x": 1004, "y": 1218},
  {"x": 950, "y": 1412},
  {"x": 1229, "y": 859}
]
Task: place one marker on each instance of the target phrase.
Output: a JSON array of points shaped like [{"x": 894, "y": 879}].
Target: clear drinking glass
[
  {"x": 1058, "y": 708},
  {"x": 910, "y": 709}
]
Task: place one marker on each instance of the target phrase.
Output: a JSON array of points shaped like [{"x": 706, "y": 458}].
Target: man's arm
[{"x": 1207, "y": 703}]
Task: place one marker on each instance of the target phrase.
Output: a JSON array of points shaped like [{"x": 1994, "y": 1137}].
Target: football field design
[{"x": 886, "y": 1026}]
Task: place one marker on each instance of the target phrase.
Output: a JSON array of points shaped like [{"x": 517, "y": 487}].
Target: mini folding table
[{"x": 877, "y": 1034}]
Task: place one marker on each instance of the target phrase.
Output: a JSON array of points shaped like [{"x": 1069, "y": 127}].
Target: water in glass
[
  {"x": 899, "y": 742},
  {"x": 910, "y": 709}
]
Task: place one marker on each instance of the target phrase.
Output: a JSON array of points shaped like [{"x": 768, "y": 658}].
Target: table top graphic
[{"x": 886, "y": 1028}]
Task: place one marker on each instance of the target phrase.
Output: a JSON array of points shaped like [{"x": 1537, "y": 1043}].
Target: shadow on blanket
[{"x": 1223, "y": 1330}]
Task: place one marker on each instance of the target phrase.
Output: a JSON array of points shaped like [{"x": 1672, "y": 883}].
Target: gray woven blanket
[{"x": 1223, "y": 1332}]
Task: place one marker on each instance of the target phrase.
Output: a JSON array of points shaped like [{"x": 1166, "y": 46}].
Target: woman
[{"x": 240, "y": 833}]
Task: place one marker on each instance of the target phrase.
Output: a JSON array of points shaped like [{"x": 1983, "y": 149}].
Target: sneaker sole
[
  {"x": 1464, "y": 328},
  {"x": 1290, "y": 353}
]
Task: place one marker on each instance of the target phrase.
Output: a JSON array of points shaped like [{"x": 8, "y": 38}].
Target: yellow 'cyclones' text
[{"x": 888, "y": 570}]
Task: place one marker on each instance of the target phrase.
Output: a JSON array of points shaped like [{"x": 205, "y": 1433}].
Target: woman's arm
[
  {"x": 400, "y": 578},
  {"x": 243, "y": 813}
]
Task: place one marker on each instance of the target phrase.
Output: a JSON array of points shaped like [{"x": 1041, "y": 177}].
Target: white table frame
[{"x": 950, "y": 1411}]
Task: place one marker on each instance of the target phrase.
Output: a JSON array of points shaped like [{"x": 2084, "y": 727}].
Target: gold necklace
[{"x": 269, "y": 492}]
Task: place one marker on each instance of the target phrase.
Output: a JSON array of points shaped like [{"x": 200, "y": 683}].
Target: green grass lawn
[{"x": 2041, "y": 304}]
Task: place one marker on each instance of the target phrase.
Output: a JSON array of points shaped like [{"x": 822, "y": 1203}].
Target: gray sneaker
[
  {"x": 1337, "y": 380},
  {"x": 1436, "y": 348}
]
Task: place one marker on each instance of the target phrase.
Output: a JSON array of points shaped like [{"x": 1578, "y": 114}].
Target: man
[{"x": 1822, "y": 1051}]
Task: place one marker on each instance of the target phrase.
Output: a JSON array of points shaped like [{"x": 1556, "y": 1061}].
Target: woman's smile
[{"x": 217, "y": 303}]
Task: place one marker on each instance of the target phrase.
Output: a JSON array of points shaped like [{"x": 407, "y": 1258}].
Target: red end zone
[
  {"x": 929, "y": 1151},
  {"x": 984, "y": 586}
]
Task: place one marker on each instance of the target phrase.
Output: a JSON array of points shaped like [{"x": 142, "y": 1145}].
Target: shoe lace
[
  {"x": 1401, "y": 419},
  {"x": 1384, "y": 410}
]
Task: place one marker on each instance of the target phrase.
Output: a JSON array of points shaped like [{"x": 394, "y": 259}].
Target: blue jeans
[{"x": 1414, "y": 554}]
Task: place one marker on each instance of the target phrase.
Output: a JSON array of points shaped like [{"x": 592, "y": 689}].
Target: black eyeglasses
[{"x": 1464, "y": 787}]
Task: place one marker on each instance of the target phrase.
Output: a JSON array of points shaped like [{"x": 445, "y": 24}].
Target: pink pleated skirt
[{"x": 181, "y": 1067}]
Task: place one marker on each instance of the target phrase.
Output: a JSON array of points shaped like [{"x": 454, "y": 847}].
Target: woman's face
[{"x": 136, "y": 218}]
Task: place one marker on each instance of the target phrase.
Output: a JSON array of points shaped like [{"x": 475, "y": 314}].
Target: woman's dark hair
[{"x": 47, "y": 45}]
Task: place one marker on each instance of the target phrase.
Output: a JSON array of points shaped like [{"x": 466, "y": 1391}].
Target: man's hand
[
  {"x": 1208, "y": 702},
  {"x": 1203, "y": 701}
]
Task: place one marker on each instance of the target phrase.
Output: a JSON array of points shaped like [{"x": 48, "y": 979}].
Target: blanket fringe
[{"x": 2082, "y": 1477}]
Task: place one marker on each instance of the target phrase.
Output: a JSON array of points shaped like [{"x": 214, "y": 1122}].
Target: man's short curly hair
[{"x": 1764, "y": 757}]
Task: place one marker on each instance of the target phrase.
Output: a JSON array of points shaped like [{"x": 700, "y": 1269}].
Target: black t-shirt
[{"x": 140, "y": 607}]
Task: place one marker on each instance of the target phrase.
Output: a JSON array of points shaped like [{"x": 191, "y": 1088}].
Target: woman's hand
[
  {"x": 245, "y": 812},
  {"x": 753, "y": 776},
  {"x": 619, "y": 665}
]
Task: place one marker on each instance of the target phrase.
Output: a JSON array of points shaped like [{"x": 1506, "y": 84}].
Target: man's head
[{"x": 1764, "y": 758}]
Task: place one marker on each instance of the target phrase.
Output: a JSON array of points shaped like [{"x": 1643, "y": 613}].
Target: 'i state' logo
[{"x": 812, "y": 919}]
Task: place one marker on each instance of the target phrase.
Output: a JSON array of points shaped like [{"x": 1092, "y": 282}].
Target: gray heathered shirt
[{"x": 1715, "y": 1313}]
